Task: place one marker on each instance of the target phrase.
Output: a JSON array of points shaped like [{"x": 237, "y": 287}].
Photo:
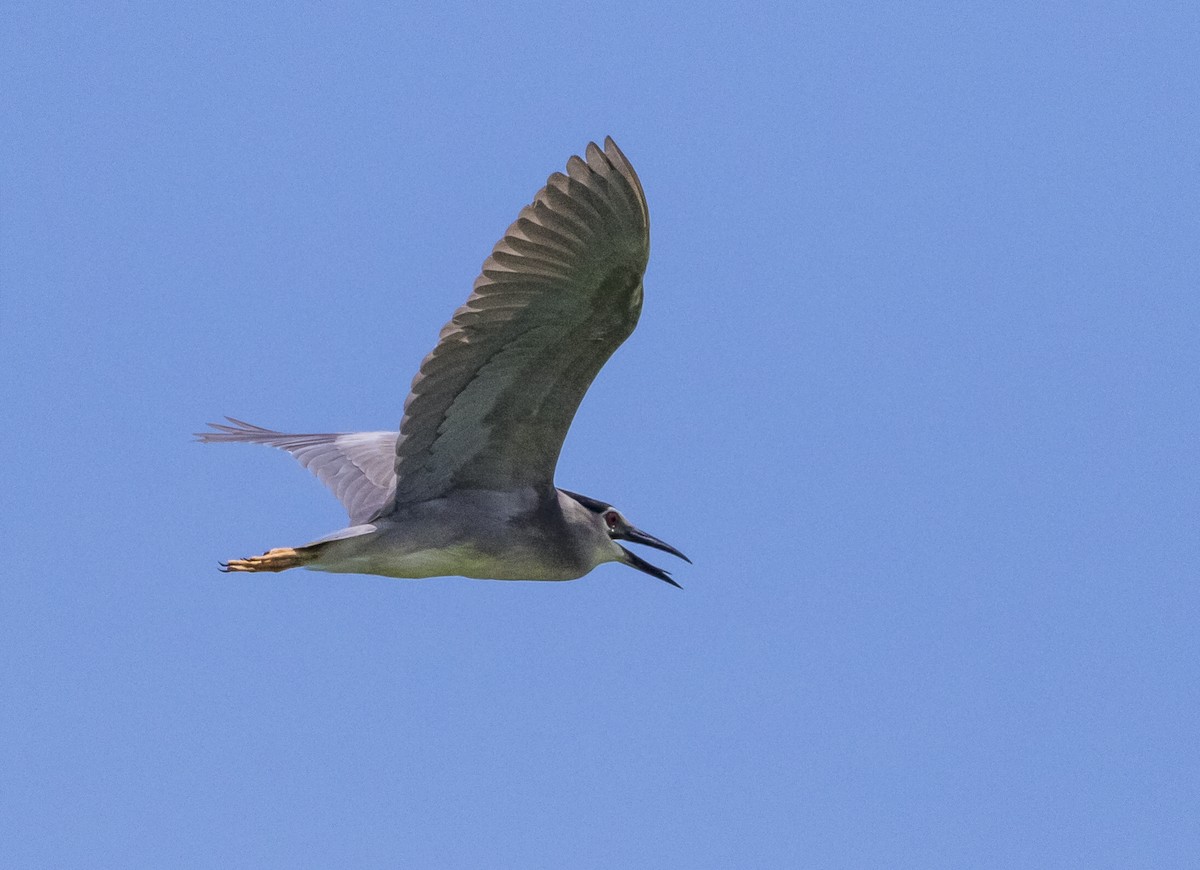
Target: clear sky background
[{"x": 915, "y": 386}]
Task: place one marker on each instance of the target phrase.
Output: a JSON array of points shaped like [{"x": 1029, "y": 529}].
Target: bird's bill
[
  {"x": 635, "y": 561},
  {"x": 637, "y": 536}
]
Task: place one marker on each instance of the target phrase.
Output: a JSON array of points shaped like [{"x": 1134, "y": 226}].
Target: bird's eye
[{"x": 612, "y": 519}]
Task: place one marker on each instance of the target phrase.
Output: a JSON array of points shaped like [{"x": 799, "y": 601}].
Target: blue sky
[{"x": 915, "y": 386}]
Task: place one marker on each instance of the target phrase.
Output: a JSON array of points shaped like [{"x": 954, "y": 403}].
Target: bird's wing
[
  {"x": 358, "y": 466},
  {"x": 493, "y": 401}
]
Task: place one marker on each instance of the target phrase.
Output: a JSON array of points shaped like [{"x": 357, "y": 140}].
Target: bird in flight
[{"x": 466, "y": 487}]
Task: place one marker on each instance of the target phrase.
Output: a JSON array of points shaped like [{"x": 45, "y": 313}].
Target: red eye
[{"x": 611, "y": 518}]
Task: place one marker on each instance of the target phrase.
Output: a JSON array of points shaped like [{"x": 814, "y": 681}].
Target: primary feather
[
  {"x": 491, "y": 404},
  {"x": 358, "y": 466}
]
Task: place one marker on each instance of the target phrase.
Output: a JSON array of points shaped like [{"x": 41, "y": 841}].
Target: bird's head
[{"x": 614, "y": 524}]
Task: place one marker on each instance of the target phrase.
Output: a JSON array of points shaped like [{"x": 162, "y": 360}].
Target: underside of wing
[
  {"x": 560, "y": 292},
  {"x": 357, "y": 466}
]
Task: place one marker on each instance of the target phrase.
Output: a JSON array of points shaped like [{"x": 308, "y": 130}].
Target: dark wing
[
  {"x": 493, "y": 401},
  {"x": 358, "y": 466}
]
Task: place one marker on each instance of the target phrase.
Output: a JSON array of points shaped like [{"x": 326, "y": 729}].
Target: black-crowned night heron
[{"x": 467, "y": 485}]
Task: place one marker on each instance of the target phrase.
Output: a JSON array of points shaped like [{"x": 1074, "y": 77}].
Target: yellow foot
[{"x": 279, "y": 559}]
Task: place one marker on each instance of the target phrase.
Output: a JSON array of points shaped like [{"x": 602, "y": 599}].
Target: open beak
[{"x": 637, "y": 536}]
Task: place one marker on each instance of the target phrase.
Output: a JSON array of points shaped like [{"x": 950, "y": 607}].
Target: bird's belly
[{"x": 461, "y": 560}]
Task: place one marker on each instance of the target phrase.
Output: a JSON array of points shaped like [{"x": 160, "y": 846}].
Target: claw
[{"x": 279, "y": 559}]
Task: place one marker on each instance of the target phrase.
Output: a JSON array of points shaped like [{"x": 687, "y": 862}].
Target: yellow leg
[{"x": 279, "y": 559}]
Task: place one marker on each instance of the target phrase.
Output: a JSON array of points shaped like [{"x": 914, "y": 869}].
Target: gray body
[
  {"x": 515, "y": 535},
  {"x": 466, "y": 487}
]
